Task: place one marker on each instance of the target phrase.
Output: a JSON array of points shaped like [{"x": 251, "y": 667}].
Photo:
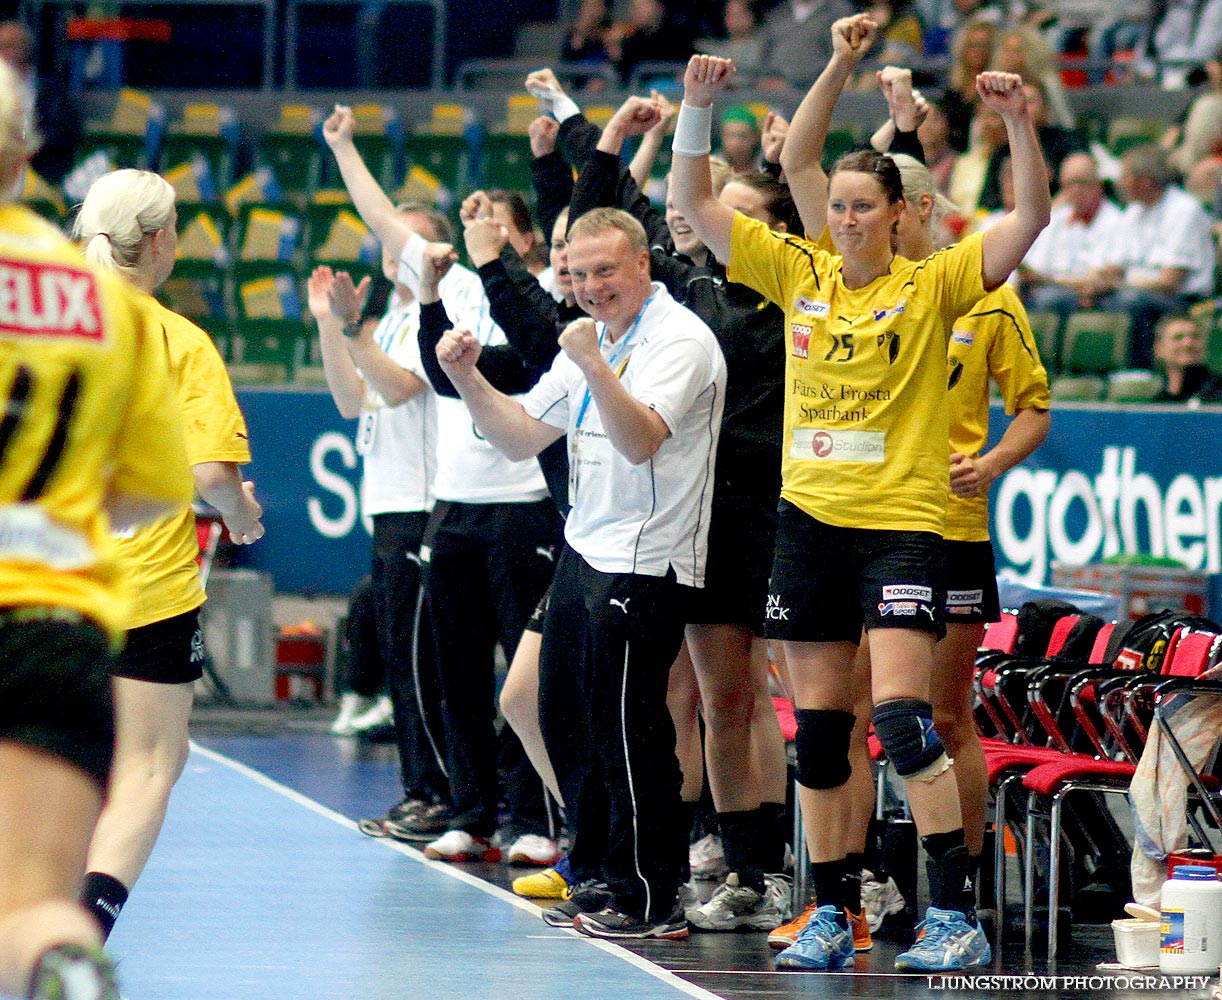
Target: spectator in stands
[
  {"x": 797, "y": 41},
  {"x": 970, "y": 54},
  {"x": 1182, "y": 40},
  {"x": 1179, "y": 349},
  {"x": 900, "y": 34},
  {"x": 586, "y": 38},
  {"x": 1201, "y": 135},
  {"x": 740, "y": 139},
  {"x": 56, "y": 116},
  {"x": 1106, "y": 28},
  {"x": 1056, "y": 272},
  {"x": 649, "y": 35},
  {"x": 742, "y": 42},
  {"x": 1056, "y": 142},
  {"x": 935, "y": 136},
  {"x": 943, "y": 18},
  {"x": 1162, "y": 256},
  {"x": 1022, "y": 50},
  {"x": 971, "y": 169}
]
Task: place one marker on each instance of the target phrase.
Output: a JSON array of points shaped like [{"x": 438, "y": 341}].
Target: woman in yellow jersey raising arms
[
  {"x": 90, "y": 437},
  {"x": 864, "y": 476},
  {"x": 127, "y": 224}
]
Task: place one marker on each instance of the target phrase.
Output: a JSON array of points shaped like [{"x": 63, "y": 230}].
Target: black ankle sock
[
  {"x": 775, "y": 832},
  {"x": 103, "y": 896},
  {"x": 852, "y": 881},
  {"x": 951, "y": 882},
  {"x": 740, "y": 832},
  {"x": 828, "y": 879}
]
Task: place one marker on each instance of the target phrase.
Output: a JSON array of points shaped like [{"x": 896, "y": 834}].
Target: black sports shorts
[
  {"x": 55, "y": 691},
  {"x": 170, "y": 651}
]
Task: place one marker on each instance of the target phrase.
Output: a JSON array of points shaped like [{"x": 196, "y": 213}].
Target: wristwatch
[{"x": 353, "y": 327}]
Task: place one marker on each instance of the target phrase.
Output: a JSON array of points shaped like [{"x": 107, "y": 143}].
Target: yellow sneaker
[
  {"x": 547, "y": 884},
  {"x": 785, "y": 935},
  {"x": 859, "y": 924}
]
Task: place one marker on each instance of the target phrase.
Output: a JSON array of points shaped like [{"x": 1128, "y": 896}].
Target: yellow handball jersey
[
  {"x": 88, "y": 415},
  {"x": 866, "y": 422},
  {"x": 159, "y": 558},
  {"x": 993, "y": 339}
]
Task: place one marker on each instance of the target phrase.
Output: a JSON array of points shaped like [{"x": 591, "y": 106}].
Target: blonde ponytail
[{"x": 120, "y": 209}]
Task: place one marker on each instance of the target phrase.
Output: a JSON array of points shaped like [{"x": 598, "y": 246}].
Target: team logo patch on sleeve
[
  {"x": 964, "y": 337},
  {"x": 43, "y": 300}
]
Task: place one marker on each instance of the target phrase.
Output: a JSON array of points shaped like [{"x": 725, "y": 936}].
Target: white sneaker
[
  {"x": 533, "y": 849},
  {"x": 381, "y": 713},
  {"x": 708, "y": 859},
  {"x": 739, "y": 907},
  {"x": 879, "y": 899},
  {"x": 351, "y": 707},
  {"x": 458, "y": 845}
]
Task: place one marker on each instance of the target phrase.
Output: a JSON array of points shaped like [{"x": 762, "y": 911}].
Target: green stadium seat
[
  {"x": 1046, "y": 326},
  {"x": 840, "y": 139},
  {"x": 506, "y": 162},
  {"x": 445, "y": 157},
  {"x": 179, "y": 151},
  {"x": 1077, "y": 389},
  {"x": 269, "y": 231},
  {"x": 1133, "y": 385},
  {"x": 296, "y": 161},
  {"x": 122, "y": 148},
  {"x": 1126, "y": 131},
  {"x": 267, "y": 350},
  {"x": 336, "y": 236},
  {"x": 1095, "y": 343}
]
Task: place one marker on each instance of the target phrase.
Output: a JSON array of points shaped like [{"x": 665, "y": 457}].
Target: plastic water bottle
[{"x": 1191, "y": 931}]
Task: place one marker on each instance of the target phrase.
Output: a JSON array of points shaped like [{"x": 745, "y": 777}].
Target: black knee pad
[
  {"x": 821, "y": 747},
  {"x": 904, "y": 726}
]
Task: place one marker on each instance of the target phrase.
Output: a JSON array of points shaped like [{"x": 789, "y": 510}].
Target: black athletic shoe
[
  {"x": 610, "y": 923},
  {"x": 73, "y": 972},
  {"x": 587, "y": 897},
  {"x": 425, "y": 823},
  {"x": 409, "y": 808}
]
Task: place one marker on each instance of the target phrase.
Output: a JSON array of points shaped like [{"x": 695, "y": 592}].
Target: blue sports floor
[{"x": 261, "y": 888}]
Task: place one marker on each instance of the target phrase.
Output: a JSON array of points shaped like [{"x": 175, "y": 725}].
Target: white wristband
[
  {"x": 564, "y": 107},
  {"x": 693, "y": 131}
]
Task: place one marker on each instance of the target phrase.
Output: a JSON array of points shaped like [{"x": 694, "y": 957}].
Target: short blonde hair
[
  {"x": 17, "y": 139},
  {"x": 121, "y": 208},
  {"x": 602, "y": 220}
]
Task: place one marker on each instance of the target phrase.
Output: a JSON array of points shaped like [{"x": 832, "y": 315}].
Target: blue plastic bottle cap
[{"x": 1195, "y": 873}]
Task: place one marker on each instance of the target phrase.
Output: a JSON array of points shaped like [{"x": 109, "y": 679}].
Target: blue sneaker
[
  {"x": 824, "y": 943},
  {"x": 945, "y": 942}
]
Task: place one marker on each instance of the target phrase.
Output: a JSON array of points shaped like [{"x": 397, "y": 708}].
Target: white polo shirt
[
  {"x": 469, "y": 469},
  {"x": 647, "y": 518},
  {"x": 1069, "y": 248},
  {"x": 1173, "y": 232},
  {"x": 399, "y": 443}
]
